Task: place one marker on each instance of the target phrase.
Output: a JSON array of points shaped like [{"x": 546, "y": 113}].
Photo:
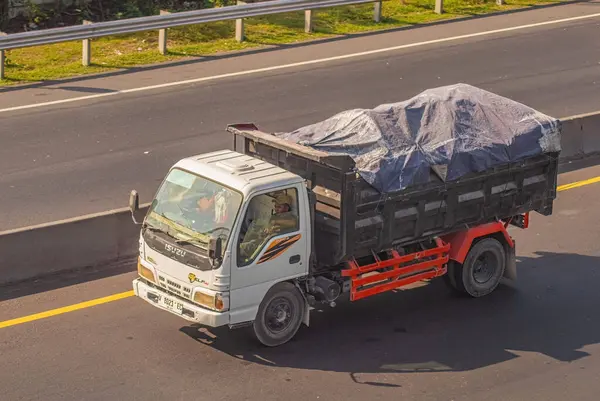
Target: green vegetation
[{"x": 64, "y": 60}]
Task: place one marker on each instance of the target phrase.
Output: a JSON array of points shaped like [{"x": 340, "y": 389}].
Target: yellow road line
[
  {"x": 127, "y": 294},
  {"x": 66, "y": 309},
  {"x": 578, "y": 184}
]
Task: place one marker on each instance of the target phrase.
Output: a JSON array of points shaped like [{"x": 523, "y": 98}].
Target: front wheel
[
  {"x": 481, "y": 271},
  {"x": 279, "y": 315}
]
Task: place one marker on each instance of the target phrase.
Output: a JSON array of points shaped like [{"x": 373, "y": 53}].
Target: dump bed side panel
[
  {"x": 406, "y": 218},
  {"x": 381, "y": 222}
]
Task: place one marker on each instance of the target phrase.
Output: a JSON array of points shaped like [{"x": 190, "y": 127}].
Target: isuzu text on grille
[{"x": 176, "y": 251}]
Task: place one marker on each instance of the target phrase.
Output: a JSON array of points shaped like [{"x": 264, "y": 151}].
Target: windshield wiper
[
  {"x": 190, "y": 241},
  {"x": 158, "y": 230}
]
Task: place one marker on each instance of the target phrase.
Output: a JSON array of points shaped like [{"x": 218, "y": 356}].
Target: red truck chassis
[{"x": 471, "y": 248}]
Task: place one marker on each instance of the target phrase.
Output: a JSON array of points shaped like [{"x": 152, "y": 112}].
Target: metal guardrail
[
  {"x": 166, "y": 20},
  {"x": 156, "y": 22}
]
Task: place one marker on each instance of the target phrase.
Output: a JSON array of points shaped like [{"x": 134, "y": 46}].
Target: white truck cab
[{"x": 212, "y": 247}]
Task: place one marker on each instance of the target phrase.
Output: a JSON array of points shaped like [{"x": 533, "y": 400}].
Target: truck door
[{"x": 271, "y": 246}]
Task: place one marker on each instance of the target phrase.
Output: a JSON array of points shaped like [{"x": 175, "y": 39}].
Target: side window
[{"x": 268, "y": 215}]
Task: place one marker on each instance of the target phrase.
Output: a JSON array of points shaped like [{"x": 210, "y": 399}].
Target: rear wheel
[
  {"x": 279, "y": 315},
  {"x": 481, "y": 271}
]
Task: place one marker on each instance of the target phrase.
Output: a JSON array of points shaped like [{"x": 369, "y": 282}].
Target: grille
[
  {"x": 171, "y": 283},
  {"x": 175, "y": 288},
  {"x": 164, "y": 287}
]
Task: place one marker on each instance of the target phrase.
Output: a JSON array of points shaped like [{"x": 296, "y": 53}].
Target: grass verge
[{"x": 114, "y": 53}]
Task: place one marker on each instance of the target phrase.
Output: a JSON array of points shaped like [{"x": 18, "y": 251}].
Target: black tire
[
  {"x": 481, "y": 271},
  {"x": 280, "y": 315}
]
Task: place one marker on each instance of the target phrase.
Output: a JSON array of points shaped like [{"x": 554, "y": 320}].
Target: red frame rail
[{"x": 399, "y": 275}]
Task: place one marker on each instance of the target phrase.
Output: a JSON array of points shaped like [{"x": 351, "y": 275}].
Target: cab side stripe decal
[{"x": 278, "y": 247}]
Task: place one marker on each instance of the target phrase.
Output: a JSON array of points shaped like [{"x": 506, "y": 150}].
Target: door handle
[{"x": 294, "y": 259}]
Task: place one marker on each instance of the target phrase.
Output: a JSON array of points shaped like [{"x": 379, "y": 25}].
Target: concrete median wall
[
  {"x": 86, "y": 241},
  {"x": 581, "y": 136},
  {"x": 103, "y": 238}
]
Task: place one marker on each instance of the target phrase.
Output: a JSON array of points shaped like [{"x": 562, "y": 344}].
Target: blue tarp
[{"x": 452, "y": 130}]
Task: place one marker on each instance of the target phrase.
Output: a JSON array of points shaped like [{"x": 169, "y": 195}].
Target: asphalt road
[
  {"x": 536, "y": 342},
  {"x": 78, "y": 158}
]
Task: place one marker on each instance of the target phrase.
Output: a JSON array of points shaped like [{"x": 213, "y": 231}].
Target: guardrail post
[
  {"x": 439, "y": 6},
  {"x": 2, "y": 64},
  {"x": 308, "y": 21},
  {"x": 239, "y": 25},
  {"x": 162, "y": 36},
  {"x": 377, "y": 11},
  {"x": 2, "y": 60},
  {"x": 86, "y": 56},
  {"x": 500, "y": 2}
]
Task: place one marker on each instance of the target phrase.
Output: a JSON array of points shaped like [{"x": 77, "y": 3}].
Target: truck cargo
[{"x": 364, "y": 202}]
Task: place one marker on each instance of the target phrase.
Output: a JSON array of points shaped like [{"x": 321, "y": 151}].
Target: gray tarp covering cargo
[{"x": 453, "y": 130}]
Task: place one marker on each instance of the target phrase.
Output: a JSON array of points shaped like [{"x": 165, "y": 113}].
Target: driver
[
  {"x": 200, "y": 207},
  {"x": 280, "y": 222},
  {"x": 283, "y": 220}
]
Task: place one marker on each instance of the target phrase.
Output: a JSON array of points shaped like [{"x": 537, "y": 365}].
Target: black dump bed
[{"x": 487, "y": 158}]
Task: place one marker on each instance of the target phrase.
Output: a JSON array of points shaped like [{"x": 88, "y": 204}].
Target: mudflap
[
  {"x": 306, "y": 317},
  {"x": 510, "y": 271},
  {"x": 307, "y": 307}
]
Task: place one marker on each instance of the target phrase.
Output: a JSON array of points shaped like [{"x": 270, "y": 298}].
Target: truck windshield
[{"x": 194, "y": 208}]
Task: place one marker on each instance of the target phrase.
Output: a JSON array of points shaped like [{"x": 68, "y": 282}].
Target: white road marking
[{"x": 299, "y": 64}]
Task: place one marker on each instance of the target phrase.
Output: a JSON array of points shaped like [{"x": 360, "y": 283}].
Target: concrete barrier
[
  {"x": 580, "y": 136},
  {"x": 86, "y": 241},
  {"x": 103, "y": 238}
]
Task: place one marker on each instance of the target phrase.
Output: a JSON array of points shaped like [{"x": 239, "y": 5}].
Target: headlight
[
  {"x": 143, "y": 271},
  {"x": 204, "y": 299},
  {"x": 215, "y": 302}
]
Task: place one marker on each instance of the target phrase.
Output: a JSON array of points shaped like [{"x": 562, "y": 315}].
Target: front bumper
[{"x": 184, "y": 309}]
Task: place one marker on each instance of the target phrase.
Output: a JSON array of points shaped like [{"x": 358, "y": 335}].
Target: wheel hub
[
  {"x": 484, "y": 267},
  {"x": 279, "y": 315}
]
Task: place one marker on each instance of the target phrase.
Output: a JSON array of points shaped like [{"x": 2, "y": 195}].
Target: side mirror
[
  {"x": 215, "y": 250},
  {"x": 134, "y": 201},
  {"x": 134, "y": 204}
]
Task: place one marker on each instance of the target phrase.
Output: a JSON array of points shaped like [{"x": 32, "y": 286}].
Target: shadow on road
[
  {"x": 65, "y": 279},
  {"x": 553, "y": 311}
]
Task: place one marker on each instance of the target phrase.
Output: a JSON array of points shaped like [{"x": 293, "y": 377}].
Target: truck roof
[{"x": 241, "y": 172}]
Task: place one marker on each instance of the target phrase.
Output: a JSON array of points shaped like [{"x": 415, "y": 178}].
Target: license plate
[{"x": 172, "y": 305}]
